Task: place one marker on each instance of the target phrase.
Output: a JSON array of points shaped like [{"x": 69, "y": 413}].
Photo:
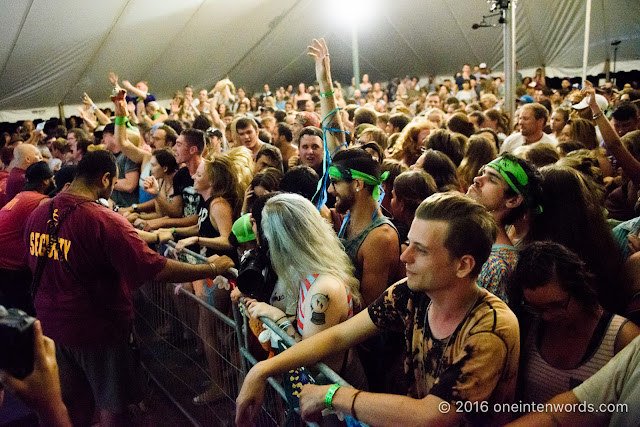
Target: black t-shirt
[{"x": 183, "y": 186}]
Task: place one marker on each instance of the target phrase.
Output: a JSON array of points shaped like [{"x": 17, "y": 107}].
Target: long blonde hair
[
  {"x": 301, "y": 242},
  {"x": 243, "y": 163}
]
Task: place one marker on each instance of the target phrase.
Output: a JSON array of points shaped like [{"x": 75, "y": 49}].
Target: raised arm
[
  {"x": 320, "y": 53},
  {"x": 137, "y": 155},
  {"x": 629, "y": 164},
  {"x": 102, "y": 117},
  {"x": 134, "y": 89}
]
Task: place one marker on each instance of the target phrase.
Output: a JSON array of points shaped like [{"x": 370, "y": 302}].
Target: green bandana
[
  {"x": 515, "y": 176},
  {"x": 334, "y": 172}
]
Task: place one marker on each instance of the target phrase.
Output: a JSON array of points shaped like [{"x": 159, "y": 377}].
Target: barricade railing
[{"x": 198, "y": 355}]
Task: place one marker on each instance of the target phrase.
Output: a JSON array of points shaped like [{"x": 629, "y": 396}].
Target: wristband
[
  {"x": 283, "y": 317},
  {"x": 597, "y": 116},
  {"x": 120, "y": 120},
  {"x": 328, "y": 398},
  {"x": 284, "y": 325},
  {"x": 327, "y": 94},
  {"x": 174, "y": 231},
  {"x": 214, "y": 268}
]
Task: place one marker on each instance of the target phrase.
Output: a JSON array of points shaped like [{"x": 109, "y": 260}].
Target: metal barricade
[{"x": 198, "y": 355}]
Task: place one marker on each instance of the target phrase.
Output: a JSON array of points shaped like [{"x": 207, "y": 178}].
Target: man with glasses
[
  {"x": 569, "y": 335},
  {"x": 509, "y": 187},
  {"x": 164, "y": 136}
]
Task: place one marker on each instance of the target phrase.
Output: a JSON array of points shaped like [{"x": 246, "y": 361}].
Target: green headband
[
  {"x": 334, "y": 172},
  {"x": 512, "y": 172},
  {"x": 515, "y": 176}
]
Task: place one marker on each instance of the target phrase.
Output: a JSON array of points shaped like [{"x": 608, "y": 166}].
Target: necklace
[{"x": 446, "y": 346}]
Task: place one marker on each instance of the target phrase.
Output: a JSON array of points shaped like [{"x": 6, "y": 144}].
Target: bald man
[{"x": 24, "y": 155}]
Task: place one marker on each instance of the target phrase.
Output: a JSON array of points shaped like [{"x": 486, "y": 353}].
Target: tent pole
[
  {"x": 61, "y": 113},
  {"x": 587, "y": 29},
  {"x": 509, "y": 47},
  {"x": 355, "y": 54}
]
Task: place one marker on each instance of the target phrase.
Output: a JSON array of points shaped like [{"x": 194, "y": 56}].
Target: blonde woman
[
  {"x": 313, "y": 268},
  {"x": 154, "y": 114}
]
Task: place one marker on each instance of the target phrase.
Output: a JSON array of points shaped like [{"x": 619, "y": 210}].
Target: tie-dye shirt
[
  {"x": 495, "y": 272},
  {"x": 481, "y": 357}
]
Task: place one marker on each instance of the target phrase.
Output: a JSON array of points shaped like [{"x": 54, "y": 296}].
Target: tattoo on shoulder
[{"x": 319, "y": 304}]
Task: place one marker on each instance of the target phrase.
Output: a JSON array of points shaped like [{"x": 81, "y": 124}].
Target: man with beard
[
  {"x": 510, "y": 188},
  {"x": 369, "y": 238},
  {"x": 15, "y": 277}
]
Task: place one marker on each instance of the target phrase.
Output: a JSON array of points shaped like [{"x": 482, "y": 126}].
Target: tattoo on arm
[{"x": 319, "y": 304}]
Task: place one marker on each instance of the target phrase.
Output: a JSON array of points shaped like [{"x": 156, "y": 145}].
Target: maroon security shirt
[
  {"x": 88, "y": 303},
  {"x": 12, "y": 219}
]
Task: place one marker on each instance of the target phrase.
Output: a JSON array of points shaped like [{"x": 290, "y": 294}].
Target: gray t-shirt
[{"x": 125, "y": 165}]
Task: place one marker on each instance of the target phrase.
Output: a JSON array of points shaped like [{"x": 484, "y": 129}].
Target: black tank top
[{"x": 206, "y": 229}]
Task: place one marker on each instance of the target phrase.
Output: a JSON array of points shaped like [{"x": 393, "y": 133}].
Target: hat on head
[
  {"x": 600, "y": 100},
  {"x": 242, "y": 229},
  {"x": 483, "y": 65},
  {"x": 64, "y": 176},
  {"x": 36, "y": 174},
  {"x": 305, "y": 118},
  {"x": 527, "y": 99}
]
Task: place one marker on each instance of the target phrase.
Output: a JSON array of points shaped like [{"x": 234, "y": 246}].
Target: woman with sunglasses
[{"x": 567, "y": 335}]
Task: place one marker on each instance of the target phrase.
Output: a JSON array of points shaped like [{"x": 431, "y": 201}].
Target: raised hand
[
  {"x": 113, "y": 78},
  {"x": 320, "y": 53}
]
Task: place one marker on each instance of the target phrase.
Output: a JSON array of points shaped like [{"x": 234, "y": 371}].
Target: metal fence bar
[{"x": 159, "y": 307}]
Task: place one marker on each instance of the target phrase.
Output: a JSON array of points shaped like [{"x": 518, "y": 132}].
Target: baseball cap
[
  {"x": 600, "y": 100},
  {"x": 527, "y": 99},
  {"x": 242, "y": 229},
  {"x": 36, "y": 174}
]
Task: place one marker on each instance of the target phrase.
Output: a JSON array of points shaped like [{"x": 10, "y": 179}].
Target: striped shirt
[{"x": 543, "y": 381}]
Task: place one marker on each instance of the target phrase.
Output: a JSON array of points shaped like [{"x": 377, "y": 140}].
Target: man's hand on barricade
[
  {"x": 312, "y": 402},
  {"x": 41, "y": 389},
  {"x": 140, "y": 224},
  {"x": 152, "y": 224},
  {"x": 222, "y": 263},
  {"x": 183, "y": 243},
  {"x": 132, "y": 217},
  {"x": 250, "y": 398},
  {"x": 164, "y": 234}
]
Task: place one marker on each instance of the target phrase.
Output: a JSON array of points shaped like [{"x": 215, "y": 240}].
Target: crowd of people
[{"x": 426, "y": 246}]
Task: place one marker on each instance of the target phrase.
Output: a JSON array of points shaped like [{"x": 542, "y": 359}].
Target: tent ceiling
[{"x": 54, "y": 51}]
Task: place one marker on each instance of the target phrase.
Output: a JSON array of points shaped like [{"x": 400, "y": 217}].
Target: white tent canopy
[{"x": 53, "y": 51}]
